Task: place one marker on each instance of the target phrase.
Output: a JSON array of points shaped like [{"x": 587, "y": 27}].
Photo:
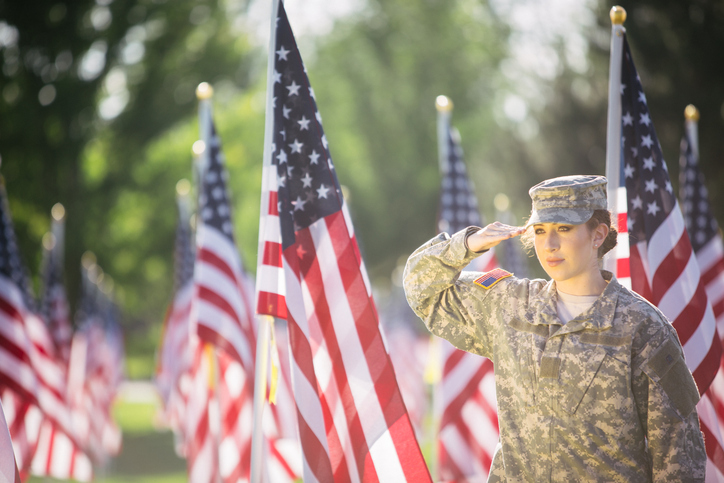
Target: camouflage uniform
[{"x": 605, "y": 397}]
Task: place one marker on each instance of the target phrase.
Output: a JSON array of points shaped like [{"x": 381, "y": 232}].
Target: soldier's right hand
[{"x": 486, "y": 238}]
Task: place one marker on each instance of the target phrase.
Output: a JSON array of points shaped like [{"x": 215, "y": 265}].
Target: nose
[{"x": 551, "y": 241}]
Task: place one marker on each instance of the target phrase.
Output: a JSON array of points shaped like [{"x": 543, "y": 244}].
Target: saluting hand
[{"x": 491, "y": 235}]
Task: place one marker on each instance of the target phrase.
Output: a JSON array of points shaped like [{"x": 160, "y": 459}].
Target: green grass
[{"x": 135, "y": 417}]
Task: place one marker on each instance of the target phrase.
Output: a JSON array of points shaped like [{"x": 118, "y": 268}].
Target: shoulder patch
[{"x": 487, "y": 280}]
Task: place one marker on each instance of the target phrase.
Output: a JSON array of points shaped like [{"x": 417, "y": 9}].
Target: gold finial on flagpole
[
  {"x": 443, "y": 104},
  {"x": 204, "y": 91},
  {"x": 198, "y": 148},
  {"x": 618, "y": 15},
  {"x": 48, "y": 241},
  {"x": 183, "y": 187},
  {"x": 58, "y": 212},
  {"x": 691, "y": 113},
  {"x": 88, "y": 260}
]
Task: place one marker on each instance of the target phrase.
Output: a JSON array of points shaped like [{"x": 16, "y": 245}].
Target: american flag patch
[{"x": 489, "y": 279}]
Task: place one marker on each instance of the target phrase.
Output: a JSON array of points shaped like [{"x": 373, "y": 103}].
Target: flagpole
[
  {"x": 204, "y": 93},
  {"x": 58, "y": 230},
  {"x": 444, "y": 107},
  {"x": 265, "y": 322},
  {"x": 613, "y": 131},
  {"x": 691, "y": 114}
]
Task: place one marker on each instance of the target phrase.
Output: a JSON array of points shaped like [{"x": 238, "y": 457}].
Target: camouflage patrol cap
[{"x": 568, "y": 199}]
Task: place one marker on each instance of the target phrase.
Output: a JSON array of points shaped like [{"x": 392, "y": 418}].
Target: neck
[{"x": 590, "y": 283}]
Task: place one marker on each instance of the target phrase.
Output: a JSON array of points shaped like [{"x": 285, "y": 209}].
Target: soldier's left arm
[{"x": 666, "y": 397}]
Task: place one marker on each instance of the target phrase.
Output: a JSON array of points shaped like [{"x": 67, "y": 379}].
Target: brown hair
[{"x": 599, "y": 216}]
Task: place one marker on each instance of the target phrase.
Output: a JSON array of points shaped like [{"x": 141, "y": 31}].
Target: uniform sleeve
[
  {"x": 666, "y": 397},
  {"x": 435, "y": 291}
]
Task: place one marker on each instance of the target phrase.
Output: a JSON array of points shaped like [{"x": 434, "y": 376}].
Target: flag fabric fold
[
  {"x": 656, "y": 254},
  {"x": 706, "y": 241},
  {"x": 353, "y": 425},
  {"x": 173, "y": 365},
  {"x": 33, "y": 376},
  {"x": 222, "y": 316}
]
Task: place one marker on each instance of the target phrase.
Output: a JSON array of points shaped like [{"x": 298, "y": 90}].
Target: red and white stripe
[
  {"x": 466, "y": 408},
  {"x": 235, "y": 393},
  {"x": 711, "y": 409},
  {"x": 174, "y": 357},
  {"x": 27, "y": 343},
  {"x": 270, "y": 281},
  {"x": 621, "y": 253},
  {"x": 353, "y": 424},
  {"x": 469, "y": 421},
  {"x": 408, "y": 352},
  {"x": 24, "y": 420},
  {"x": 711, "y": 263},
  {"x": 58, "y": 456},
  {"x": 59, "y": 321},
  {"x": 16, "y": 367},
  {"x": 665, "y": 271},
  {"x": 283, "y": 456},
  {"x": 221, "y": 307},
  {"x": 202, "y": 418}
]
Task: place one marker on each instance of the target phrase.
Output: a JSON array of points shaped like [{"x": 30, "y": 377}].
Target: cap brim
[{"x": 560, "y": 215}]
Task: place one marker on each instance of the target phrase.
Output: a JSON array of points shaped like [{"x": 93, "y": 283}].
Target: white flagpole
[
  {"x": 265, "y": 322},
  {"x": 58, "y": 231},
  {"x": 613, "y": 131},
  {"x": 691, "y": 114},
  {"x": 433, "y": 372},
  {"x": 204, "y": 93},
  {"x": 444, "y": 107}
]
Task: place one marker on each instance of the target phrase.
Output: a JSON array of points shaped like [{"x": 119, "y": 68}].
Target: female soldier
[{"x": 590, "y": 378}]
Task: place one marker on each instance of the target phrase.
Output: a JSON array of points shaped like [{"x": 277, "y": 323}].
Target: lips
[{"x": 552, "y": 262}]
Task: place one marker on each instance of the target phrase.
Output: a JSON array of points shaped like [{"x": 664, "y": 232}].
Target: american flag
[
  {"x": 706, "y": 237},
  {"x": 661, "y": 264},
  {"x": 466, "y": 408},
  {"x": 57, "y": 454},
  {"x": 706, "y": 240},
  {"x": 221, "y": 311},
  {"x": 33, "y": 378},
  {"x": 54, "y": 303},
  {"x": 221, "y": 307},
  {"x": 174, "y": 355},
  {"x": 16, "y": 370},
  {"x": 202, "y": 418},
  {"x": 353, "y": 425},
  {"x": 96, "y": 369}
]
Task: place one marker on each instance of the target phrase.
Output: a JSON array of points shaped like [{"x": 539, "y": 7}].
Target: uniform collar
[{"x": 598, "y": 317}]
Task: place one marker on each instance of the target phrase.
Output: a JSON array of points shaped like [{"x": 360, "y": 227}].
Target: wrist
[{"x": 468, "y": 233}]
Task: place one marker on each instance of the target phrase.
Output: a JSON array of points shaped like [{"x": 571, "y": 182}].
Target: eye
[
  {"x": 564, "y": 228},
  {"x": 539, "y": 231}
]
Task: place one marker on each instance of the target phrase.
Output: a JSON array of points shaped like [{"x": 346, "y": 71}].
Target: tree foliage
[
  {"x": 97, "y": 112},
  {"x": 86, "y": 88}
]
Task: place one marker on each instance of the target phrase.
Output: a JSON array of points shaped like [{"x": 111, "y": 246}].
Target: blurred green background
[{"x": 98, "y": 112}]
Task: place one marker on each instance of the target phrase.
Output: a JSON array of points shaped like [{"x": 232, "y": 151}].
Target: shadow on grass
[{"x": 146, "y": 454}]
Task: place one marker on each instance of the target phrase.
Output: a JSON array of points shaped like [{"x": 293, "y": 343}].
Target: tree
[{"x": 86, "y": 88}]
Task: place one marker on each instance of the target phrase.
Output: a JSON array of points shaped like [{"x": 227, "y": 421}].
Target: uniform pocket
[
  {"x": 578, "y": 375},
  {"x": 668, "y": 368}
]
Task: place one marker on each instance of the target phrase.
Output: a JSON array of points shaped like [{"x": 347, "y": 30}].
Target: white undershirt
[{"x": 571, "y": 306}]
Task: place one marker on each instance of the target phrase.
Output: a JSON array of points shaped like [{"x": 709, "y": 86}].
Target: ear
[{"x": 600, "y": 234}]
